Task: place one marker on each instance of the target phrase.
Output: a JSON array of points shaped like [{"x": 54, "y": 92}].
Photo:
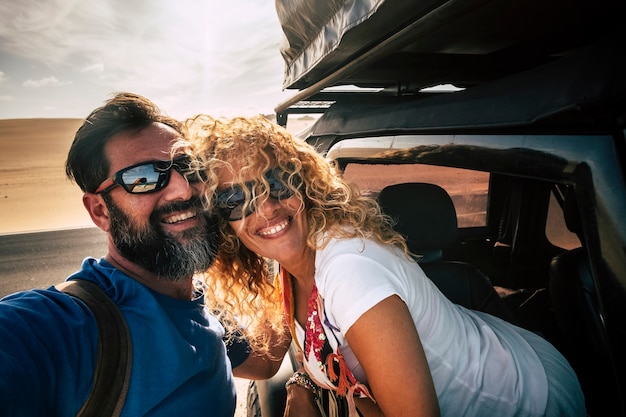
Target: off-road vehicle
[{"x": 518, "y": 173}]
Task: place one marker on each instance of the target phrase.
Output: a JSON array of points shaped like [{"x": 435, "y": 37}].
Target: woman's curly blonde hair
[{"x": 240, "y": 284}]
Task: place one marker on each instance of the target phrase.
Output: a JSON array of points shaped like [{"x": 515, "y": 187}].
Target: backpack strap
[{"x": 114, "y": 361}]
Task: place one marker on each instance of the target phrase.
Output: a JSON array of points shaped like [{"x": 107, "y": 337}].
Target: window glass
[
  {"x": 556, "y": 229},
  {"x": 468, "y": 189}
]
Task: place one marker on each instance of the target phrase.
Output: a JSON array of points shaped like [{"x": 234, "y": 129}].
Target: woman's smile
[{"x": 275, "y": 229}]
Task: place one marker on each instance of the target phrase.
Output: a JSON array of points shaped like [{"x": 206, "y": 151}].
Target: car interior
[
  {"x": 531, "y": 281},
  {"x": 431, "y": 227}
]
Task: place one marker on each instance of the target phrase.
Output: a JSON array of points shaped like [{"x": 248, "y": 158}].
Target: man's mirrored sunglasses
[
  {"x": 231, "y": 201},
  {"x": 149, "y": 177}
]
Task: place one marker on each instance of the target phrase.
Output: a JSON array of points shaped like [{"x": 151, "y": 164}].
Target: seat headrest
[{"x": 425, "y": 216}]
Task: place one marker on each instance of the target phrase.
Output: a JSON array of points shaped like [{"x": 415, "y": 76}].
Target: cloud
[
  {"x": 187, "y": 55},
  {"x": 6, "y": 98},
  {"x": 3, "y": 77},
  {"x": 99, "y": 68},
  {"x": 50, "y": 81}
]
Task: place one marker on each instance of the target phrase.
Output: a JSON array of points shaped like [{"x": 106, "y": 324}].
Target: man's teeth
[
  {"x": 274, "y": 229},
  {"x": 180, "y": 217}
]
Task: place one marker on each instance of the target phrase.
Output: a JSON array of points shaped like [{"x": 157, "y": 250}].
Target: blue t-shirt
[{"x": 48, "y": 347}]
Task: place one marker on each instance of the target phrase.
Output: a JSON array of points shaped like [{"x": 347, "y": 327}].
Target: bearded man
[{"x": 145, "y": 197}]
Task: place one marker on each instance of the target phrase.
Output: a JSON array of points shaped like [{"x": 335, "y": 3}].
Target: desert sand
[{"x": 35, "y": 194}]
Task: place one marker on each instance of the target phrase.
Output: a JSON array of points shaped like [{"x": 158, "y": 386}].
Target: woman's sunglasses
[
  {"x": 230, "y": 202},
  {"x": 148, "y": 177}
]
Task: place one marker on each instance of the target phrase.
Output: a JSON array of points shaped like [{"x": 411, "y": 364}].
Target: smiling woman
[{"x": 349, "y": 283}]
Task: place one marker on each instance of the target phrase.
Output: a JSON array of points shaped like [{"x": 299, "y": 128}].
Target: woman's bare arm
[{"x": 388, "y": 347}]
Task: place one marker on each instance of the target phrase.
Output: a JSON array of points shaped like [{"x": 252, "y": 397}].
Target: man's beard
[{"x": 166, "y": 256}]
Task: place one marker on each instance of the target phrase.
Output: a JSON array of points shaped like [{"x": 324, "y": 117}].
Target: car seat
[
  {"x": 426, "y": 217},
  {"x": 580, "y": 320}
]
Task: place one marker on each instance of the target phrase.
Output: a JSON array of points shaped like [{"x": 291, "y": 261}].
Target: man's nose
[{"x": 178, "y": 187}]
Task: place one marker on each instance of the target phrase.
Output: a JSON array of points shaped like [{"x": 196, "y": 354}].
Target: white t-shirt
[{"x": 480, "y": 365}]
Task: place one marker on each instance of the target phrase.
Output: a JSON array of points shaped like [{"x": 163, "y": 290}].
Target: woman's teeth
[{"x": 274, "y": 229}]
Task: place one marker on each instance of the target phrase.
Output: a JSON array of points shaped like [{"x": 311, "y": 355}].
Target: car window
[
  {"x": 556, "y": 229},
  {"x": 468, "y": 189}
]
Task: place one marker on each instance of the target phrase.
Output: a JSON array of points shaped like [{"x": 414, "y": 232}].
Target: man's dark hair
[{"x": 86, "y": 162}]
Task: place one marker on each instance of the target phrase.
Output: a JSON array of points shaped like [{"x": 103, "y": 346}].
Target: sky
[{"x": 63, "y": 58}]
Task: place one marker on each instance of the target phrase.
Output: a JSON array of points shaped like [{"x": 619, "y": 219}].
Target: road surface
[{"x": 38, "y": 260}]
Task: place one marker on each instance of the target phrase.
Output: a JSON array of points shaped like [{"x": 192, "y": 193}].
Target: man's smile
[{"x": 179, "y": 217}]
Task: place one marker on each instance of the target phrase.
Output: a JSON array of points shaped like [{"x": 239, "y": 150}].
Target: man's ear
[{"x": 95, "y": 205}]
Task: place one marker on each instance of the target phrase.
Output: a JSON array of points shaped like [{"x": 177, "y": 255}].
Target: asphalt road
[{"x": 38, "y": 260}]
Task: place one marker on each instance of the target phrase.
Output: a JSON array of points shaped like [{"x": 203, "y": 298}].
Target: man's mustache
[{"x": 193, "y": 203}]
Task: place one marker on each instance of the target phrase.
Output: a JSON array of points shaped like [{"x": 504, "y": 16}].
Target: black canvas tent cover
[
  {"x": 315, "y": 29},
  {"x": 383, "y": 43}
]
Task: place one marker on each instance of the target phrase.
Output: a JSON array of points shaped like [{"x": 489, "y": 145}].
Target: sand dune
[{"x": 34, "y": 191}]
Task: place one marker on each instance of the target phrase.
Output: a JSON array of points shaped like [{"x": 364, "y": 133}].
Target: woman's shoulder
[
  {"x": 331, "y": 245},
  {"x": 344, "y": 257}
]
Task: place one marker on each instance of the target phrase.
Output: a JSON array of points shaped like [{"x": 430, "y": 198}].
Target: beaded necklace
[{"x": 315, "y": 337}]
